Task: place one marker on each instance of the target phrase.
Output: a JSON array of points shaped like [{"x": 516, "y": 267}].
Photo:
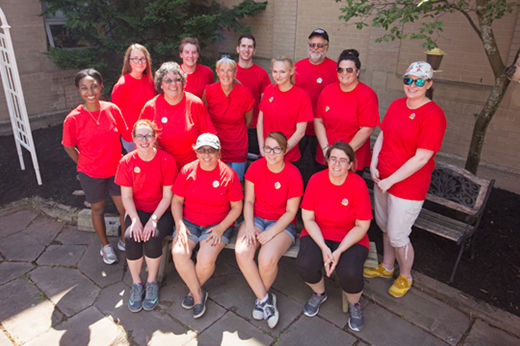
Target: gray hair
[
  {"x": 226, "y": 61},
  {"x": 166, "y": 67}
]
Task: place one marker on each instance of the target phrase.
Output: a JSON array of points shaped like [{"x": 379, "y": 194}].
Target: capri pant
[
  {"x": 349, "y": 269},
  {"x": 153, "y": 247}
]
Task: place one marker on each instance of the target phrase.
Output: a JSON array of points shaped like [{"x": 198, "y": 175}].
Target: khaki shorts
[{"x": 396, "y": 216}]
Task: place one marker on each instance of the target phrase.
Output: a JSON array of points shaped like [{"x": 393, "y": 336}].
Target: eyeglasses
[
  {"x": 138, "y": 60},
  {"x": 336, "y": 160},
  {"x": 206, "y": 150},
  {"x": 345, "y": 69},
  {"x": 275, "y": 150},
  {"x": 409, "y": 81},
  {"x": 317, "y": 45},
  {"x": 144, "y": 137},
  {"x": 171, "y": 81}
]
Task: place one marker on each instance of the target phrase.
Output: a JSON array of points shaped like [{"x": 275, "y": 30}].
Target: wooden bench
[{"x": 454, "y": 206}]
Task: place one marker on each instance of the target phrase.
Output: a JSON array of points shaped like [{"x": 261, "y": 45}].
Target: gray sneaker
[
  {"x": 312, "y": 306},
  {"x": 152, "y": 296},
  {"x": 271, "y": 312},
  {"x": 258, "y": 311},
  {"x": 108, "y": 254},
  {"x": 355, "y": 321},
  {"x": 188, "y": 302},
  {"x": 135, "y": 302},
  {"x": 121, "y": 245},
  {"x": 200, "y": 309}
]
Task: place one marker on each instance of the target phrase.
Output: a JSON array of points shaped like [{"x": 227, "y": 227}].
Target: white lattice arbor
[{"x": 14, "y": 97}]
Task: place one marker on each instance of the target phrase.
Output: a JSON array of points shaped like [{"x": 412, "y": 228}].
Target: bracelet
[{"x": 325, "y": 147}]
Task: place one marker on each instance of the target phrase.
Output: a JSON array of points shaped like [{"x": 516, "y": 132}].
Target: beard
[{"x": 316, "y": 56}]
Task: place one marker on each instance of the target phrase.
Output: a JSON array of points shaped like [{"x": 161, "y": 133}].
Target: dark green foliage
[{"x": 108, "y": 27}]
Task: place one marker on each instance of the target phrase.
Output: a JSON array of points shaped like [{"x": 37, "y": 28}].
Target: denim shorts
[
  {"x": 239, "y": 168},
  {"x": 264, "y": 224},
  {"x": 199, "y": 233}
]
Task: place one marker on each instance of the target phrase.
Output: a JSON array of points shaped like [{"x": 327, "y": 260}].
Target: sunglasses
[
  {"x": 409, "y": 81},
  {"x": 345, "y": 69},
  {"x": 317, "y": 45}
]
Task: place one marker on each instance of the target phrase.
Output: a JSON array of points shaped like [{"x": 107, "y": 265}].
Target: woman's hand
[
  {"x": 265, "y": 236},
  {"x": 150, "y": 229},
  {"x": 249, "y": 235},
  {"x": 327, "y": 259},
  {"x": 182, "y": 234},
  {"x": 135, "y": 230},
  {"x": 374, "y": 172},
  {"x": 334, "y": 262},
  {"x": 215, "y": 235},
  {"x": 384, "y": 185}
]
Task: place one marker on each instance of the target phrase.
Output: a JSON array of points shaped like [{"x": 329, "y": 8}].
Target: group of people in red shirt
[{"x": 187, "y": 140}]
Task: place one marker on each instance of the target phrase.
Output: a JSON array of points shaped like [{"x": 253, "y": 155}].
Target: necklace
[{"x": 96, "y": 120}]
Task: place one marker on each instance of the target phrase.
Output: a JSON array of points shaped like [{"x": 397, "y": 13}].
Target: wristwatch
[{"x": 154, "y": 217}]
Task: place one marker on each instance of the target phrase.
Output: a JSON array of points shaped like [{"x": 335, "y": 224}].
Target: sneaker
[
  {"x": 400, "y": 286},
  {"x": 380, "y": 271},
  {"x": 200, "y": 309},
  {"x": 188, "y": 302},
  {"x": 270, "y": 311},
  {"x": 312, "y": 306},
  {"x": 121, "y": 245},
  {"x": 135, "y": 303},
  {"x": 258, "y": 311},
  {"x": 108, "y": 254},
  {"x": 355, "y": 321},
  {"x": 152, "y": 296}
]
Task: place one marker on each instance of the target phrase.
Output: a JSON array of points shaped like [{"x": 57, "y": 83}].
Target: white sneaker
[
  {"x": 121, "y": 245},
  {"x": 108, "y": 254}
]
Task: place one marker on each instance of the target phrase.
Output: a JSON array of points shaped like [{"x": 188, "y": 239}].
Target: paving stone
[
  {"x": 88, "y": 327},
  {"x": 92, "y": 265},
  {"x": 71, "y": 235},
  {"x": 482, "y": 334},
  {"x": 331, "y": 310},
  {"x": 67, "y": 255},
  {"x": 44, "y": 229},
  {"x": 16, "y": 222},
  {"x": 21, "y": 247},
  {"x": 26, "y": 313},
  {"x": 317, "y": 332},
  {"x": 233, "y": 330},
  {"x": 65, "y": 287},
  {"x": 440, "y": 319},
  {"x": 289, "y": 282},
  {"x": 170, "y": 299},
  {"x": 159, "y": 326},
  {"x": 4, "y": 340},
  {"x": 12, "y": 270},
  {"x": 385, "y": 328},
  {"x": 233, "y": 293}
]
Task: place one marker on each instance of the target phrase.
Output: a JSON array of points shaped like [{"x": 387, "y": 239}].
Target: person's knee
[
  {"x": 267, "y": 263},
  {"x": 97, "y": 209},
  {"x": 398, "y": 241},
  {"x": 244, "y": 251},
  {"x": 180, "y": 252},
  {"x": 153, "y": 248}
]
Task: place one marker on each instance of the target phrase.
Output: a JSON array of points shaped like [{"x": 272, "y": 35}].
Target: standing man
[
  {"x": 254, "y": 78},
  {"x": 313, "y": 74}
]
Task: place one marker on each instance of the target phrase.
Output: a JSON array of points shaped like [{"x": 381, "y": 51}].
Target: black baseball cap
[{"x": 320, "y": 32}]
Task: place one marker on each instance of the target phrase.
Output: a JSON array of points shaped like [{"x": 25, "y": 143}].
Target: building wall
[
  {"x": 48, "y": 91},
  {"x": 460, "y": 89}
]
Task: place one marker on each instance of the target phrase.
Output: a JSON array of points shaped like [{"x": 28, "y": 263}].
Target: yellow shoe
[
  {"x": 400, "y": 286},
  {"x": 380, "y": 271}
]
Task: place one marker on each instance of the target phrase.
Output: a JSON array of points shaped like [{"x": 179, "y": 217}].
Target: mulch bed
[{"x": 493, "y": 275}]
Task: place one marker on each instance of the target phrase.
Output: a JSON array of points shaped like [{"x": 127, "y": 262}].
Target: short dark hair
[
  {"x": 352, "y": 55},
  {"x": 344, "y": 147},
  {"x": 88, "y": 72},
  {"x": 249, "y": 36}
]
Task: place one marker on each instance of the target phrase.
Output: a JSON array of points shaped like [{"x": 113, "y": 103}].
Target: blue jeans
[
  {"x": 264, "y": 224},
  {"x": 239, "y": 168},
  {"x": 199, "y": 233}
]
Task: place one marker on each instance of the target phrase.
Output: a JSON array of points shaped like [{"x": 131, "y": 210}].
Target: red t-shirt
[
  {"x": 283, "y": 110},
  {"x": 179, "y": 125},
  {"x": 273, "y": 190},
  {"x": 313, "y": 78},
  {"x": 197, "y": 81},
  {"x": 146, "y": 178},
  {"x": 227, "y": 115},
  {"x": 255, "y": 79},
  {"x": 207, "y": 194},
  {"x": 99, "y": 145},
  {"x": 130, "y": 95},
  {"x": 336, "y": 208},
  {"x": 404, "y": 131},
  {"x": 343, "y": 113}
]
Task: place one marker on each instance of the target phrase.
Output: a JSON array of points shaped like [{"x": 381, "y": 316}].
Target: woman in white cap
[
  {"x": 207, "y": 200},
  {"x": 401, "y": 167}
]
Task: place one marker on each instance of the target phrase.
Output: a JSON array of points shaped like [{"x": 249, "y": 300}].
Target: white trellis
[{"x": 14, "y": 97}]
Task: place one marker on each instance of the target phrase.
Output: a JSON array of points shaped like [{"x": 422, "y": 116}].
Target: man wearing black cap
[{"x": 313, "y": 74}]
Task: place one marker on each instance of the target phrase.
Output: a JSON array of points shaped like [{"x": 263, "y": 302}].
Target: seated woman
[
  {"x": 336, "y": 213},
  {"x": 207, "y": 200},
  {"x": 146, "y": 176},
  {"x": 273, "y": 191}
]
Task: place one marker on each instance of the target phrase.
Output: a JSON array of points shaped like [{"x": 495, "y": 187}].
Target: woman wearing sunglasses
[
  {"x": 146, "y": 176},
  {"x": 347, "y": 111},
  {"x": 273, "y": 191},
  {"x": 402, "y": 164},
  {"x": 134, "y": 87},
  {"x": 207, "y": 200},
  {"x": 180, "y": 116}
]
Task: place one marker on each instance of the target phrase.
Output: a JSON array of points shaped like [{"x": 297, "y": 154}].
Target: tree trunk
[{"x": 483, "y": 120}]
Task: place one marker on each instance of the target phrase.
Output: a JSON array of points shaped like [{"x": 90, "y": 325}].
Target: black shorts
[{"x": 97, "y": 189}]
